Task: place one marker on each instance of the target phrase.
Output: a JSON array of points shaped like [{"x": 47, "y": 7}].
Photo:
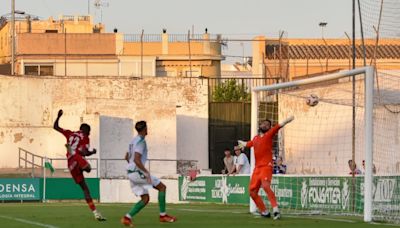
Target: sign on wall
[
  {"x": 28, "y": 189},
  {"x": 297, "y": 192},
  {"x": 218, "y": 189},
  {"x": 20, "y": 189}
]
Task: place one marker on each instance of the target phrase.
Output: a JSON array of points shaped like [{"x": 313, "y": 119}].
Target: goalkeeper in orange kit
[{"x": 262, "y": 173}]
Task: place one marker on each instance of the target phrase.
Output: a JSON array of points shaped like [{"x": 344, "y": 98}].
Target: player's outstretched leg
[
  {"x": 89, "y": 201},
  {"x": 266, "y": 185},
  {"x": 127, "y": 219},
  {"x": 164, "y": 217},
  {"x": 259, "y": 203},
  {"x": 255, "y": 183}
]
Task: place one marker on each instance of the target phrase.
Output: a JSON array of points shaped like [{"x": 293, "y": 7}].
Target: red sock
[{"x": 91, "y": 204}]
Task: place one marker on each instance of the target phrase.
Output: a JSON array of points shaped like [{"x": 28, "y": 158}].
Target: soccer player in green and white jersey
[{"x": 140, "y": 179}]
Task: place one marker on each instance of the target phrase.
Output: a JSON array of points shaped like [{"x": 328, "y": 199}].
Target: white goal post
[{"x": 368, "y": 121}]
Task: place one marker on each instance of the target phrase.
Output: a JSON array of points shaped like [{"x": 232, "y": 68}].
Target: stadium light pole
[
  {"x": 326, "y": 52},
  {"x": 322, "y": 25}
]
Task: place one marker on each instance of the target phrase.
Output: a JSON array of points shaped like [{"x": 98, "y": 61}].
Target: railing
[
  {"x": 183, "y": 37},
  {"x": 110, "y": 168},
  {"x": 28, "y": 160},
  {"x": 65, "y": 168},
  {"x": 72, "y": 18},
  {"x": 245, "y": 83},
  {"x": 171, "y": 37},
  {"x": 116, "y": 168},
  {"x": 146, "y": 38}
]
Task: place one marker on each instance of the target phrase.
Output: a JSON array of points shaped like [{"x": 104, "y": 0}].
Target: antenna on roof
[{"x": 100, "y": 5}]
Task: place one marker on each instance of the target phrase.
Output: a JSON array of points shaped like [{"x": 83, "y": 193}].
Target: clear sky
[{"x": 231, "y": 18}]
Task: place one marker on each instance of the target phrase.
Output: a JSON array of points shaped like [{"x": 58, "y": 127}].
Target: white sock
[
  {"x": 128, "y": 216},
  {"x": 95, "y": 212},
  {"x": 163, "y": 214},
  {"x": 275, "y": 209}
]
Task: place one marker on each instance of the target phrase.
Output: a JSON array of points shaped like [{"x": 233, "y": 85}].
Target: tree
[{"x": 230, "y": 91}]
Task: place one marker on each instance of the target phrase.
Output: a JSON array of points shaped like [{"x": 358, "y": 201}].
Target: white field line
[
  {"x": 385, "y": 224},
  {"x": 322, "y": 218},
  {"x": 289, "y": 216},
  {"x": 216, "y": 211},
  {"x": 28, "y": 222}
]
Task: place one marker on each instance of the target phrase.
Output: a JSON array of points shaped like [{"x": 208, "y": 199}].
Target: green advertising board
[
  {"x": 314, "y": 193},
  {"x": 65, "y": 188},
  {"x": 29, "y": 189},
  {"x": 323, "y": 193},
  {"x": 222, "y": 189},
  {"x": 20, "y": 189}
]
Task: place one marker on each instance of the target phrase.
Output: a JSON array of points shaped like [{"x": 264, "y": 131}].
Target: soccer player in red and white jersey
[
  {"x": 262, "y": 173},
  {"x": 77, "y": 148}
]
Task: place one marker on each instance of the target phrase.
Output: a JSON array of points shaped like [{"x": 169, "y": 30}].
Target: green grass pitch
[{"x": 52, "y": 215}]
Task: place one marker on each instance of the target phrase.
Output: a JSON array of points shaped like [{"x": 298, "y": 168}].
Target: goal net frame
[{"x": 368, "y": 74}]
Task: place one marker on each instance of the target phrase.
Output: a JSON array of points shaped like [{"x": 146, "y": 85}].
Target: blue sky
[{"x": 232, "y": 18}]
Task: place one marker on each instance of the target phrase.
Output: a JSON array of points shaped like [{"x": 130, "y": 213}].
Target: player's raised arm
[
  {"x": 56, "y": 125},
  {"x": 286, "y": 121},
  {"x": 242, "y": 144},
  {"x": 86, "y": 152}
]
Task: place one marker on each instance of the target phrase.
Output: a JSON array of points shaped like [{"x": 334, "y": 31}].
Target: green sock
[
  {"x": 139, "y": 206},
  {"x": 161, "y": 201}
]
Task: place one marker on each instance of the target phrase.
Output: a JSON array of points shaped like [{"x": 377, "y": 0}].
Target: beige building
[
  {"x": 74, "y": 46},
  {"x": 296, "y": 58}
]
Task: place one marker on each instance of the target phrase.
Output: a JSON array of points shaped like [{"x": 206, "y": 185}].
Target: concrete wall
[
  {"x": 94, "y": 66},
  {"x": 5, "y": 44},
  {"x": 30, "y": 104},
  {"x": 115, "y": 136},
  {"x": 59, "y": 43}
]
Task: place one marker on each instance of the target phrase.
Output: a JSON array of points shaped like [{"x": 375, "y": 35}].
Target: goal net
[{"x": 318, "y": 147}]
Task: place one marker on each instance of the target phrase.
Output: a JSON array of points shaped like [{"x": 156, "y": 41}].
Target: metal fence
[
  {"x": 116, "y": 168},
  {"x": 34, "y": 163},
  {"x": 147, "y": 38},
  {"x": 246, "y": 83}
]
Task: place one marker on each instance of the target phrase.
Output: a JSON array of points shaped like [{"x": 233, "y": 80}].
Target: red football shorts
[
  {"x": 260, "y": 174},
  {"x": 76, "y": 164}
]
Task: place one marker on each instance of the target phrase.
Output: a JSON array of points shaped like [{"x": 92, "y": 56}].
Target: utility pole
[
  {"x": 281, "y": 33},
  {"x": 350, "y": 48},
  {"x": 353, "y": 145},
  {"x": 12, "y": 36},
  {"x": 141, "y": 54},
  {"x": 190, "y": 56}
]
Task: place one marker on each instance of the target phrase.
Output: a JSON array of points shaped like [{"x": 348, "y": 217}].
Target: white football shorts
[{"x": 139, "y": 184}]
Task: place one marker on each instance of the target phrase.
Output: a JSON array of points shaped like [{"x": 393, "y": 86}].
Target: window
[
  {"x": 31, "y": 70},
  {"x": 195, "y": 73},
  {"x": 46, "y": 70},
  {"x": 163, "y": 73},
  {"x": 51, "y": 31},
  {"x": 42, "y": 70}
]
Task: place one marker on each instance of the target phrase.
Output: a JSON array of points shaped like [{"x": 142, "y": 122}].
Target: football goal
[{"x": 342, "y": 150}]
